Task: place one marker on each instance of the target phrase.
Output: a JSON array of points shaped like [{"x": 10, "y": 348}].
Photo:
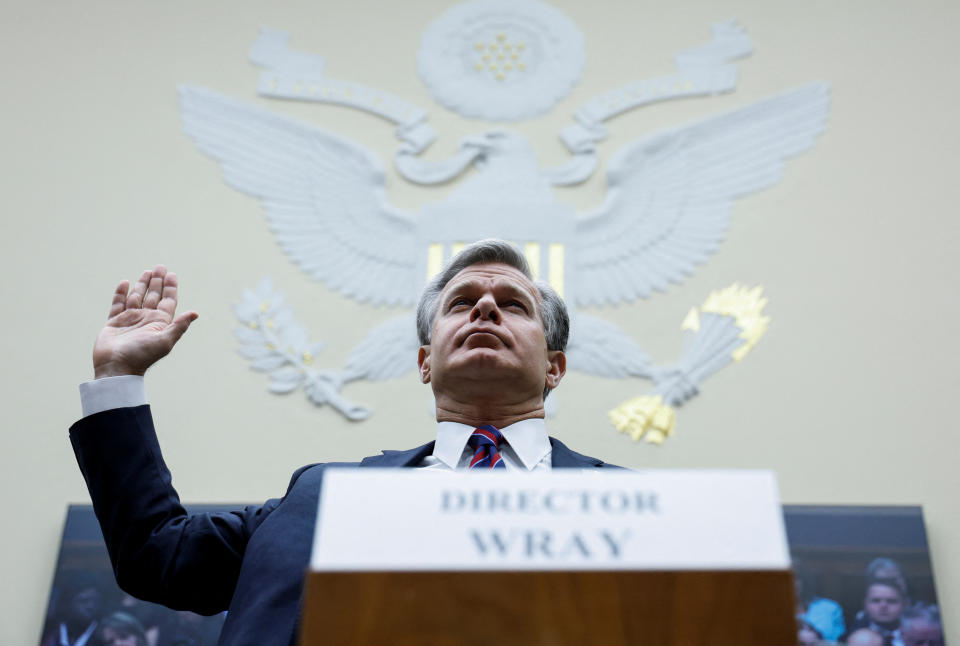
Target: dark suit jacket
[{"x": 251, "y": 562}]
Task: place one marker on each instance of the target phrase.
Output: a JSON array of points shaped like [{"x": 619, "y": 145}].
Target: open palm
[{"x": 142, "y": 326}]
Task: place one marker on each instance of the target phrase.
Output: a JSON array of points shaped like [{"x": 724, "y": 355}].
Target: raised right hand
[{"x": 141, "y": 328}]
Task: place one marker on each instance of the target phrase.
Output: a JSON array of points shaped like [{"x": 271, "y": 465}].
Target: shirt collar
[{"x": 528, "y": 439}]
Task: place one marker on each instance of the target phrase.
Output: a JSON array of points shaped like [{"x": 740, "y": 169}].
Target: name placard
[{"x": 410, "y": 519}]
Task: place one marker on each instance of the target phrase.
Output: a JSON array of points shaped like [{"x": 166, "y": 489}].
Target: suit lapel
[
  {"x": 408, "y": 458},
  {"x": 563, "y": 458}
]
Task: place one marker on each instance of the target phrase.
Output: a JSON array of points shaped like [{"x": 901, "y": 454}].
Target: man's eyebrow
[
  {"x": 455, "y": 288},
  {"x": 468, "y": 283},
  {"x": 516, "y": 290}
]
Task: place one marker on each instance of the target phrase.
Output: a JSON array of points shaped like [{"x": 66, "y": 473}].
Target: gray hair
[
  {"x": 882, "y": 563},
  {"x": 922, "y": 613},
  {"x": 553, "y": 311}
]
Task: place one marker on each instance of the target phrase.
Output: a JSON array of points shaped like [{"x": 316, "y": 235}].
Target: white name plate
[{"x": 410, "y": 519}]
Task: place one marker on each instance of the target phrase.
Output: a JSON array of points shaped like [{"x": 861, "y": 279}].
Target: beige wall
[{"x": 849, "y": 397}]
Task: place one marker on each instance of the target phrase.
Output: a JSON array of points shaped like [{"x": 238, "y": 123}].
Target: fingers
[
  {"x": 168, "y": 303},
  {"x": 148, "y": 291},
  {"x": 179, "y": 325},
  {"x": 154, "y": 288},
  {"x": 119, "y": 298},
  {"x": 135, "y": 298}
]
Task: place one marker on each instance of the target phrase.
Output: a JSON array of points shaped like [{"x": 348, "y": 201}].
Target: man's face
[
  {"x": 488, "y": 336},
  {"x": 85, "y": 604},
  {"x": 883, "y": 603},
  {"x": 923, "y": 633}
]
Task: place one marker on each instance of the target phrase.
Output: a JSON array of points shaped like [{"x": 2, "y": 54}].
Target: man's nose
[{"x": 486, "y": 309}]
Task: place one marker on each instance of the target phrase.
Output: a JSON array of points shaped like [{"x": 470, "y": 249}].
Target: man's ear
[
  {"x": 556, "y": 367},
  {"x": 423, "y": 363}
]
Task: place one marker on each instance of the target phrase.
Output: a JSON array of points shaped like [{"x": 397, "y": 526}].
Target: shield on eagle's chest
[{"x": 542, "y": 230}]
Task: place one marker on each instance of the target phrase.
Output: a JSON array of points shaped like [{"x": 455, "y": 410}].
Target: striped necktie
[{"x": 485, "y": 442}]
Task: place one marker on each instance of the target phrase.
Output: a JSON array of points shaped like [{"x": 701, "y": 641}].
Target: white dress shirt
[
  {"x": 527, "y": 446},
  {"x": 112, "y": 392}
]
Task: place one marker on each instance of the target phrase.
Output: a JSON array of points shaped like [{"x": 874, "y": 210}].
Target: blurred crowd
[
  {"x": 888, "y": 616},
  {"x": 88, "y": 611}
]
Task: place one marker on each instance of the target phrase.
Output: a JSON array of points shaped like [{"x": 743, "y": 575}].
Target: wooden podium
[{"x": 683, "y": 608}]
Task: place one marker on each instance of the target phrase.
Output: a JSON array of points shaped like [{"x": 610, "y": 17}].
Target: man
[
  {"x": 75, "y": 619},
  {"x": 492, "y": 346},
  {"x": 883, "y": 603},
  {"x": 920, "y": 626}
]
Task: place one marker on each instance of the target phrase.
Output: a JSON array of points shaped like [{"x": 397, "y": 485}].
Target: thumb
[{"x": 179, "y": 325}]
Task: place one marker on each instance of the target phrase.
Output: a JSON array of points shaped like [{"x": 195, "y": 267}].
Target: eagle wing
[
  {"x": 601, "y": 348},
  {"x": 323, "y": 195},
  {"x": 670, "y": 194}
]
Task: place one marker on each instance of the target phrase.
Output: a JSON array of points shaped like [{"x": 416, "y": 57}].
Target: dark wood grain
[{"x": 549, "y": 608}]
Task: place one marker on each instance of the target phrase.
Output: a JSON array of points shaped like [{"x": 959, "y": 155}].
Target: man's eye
[
  {"x": 515, "y": 304},
  {"x": 459, "y": 301}
]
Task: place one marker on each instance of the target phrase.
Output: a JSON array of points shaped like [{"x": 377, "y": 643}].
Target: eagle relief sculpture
[{"x": 668, "y": 203}]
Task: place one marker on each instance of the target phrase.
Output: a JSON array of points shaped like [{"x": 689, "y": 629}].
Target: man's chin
[
  {"x": 482, "y": 363},
  {"x": 484, "y": 358}
]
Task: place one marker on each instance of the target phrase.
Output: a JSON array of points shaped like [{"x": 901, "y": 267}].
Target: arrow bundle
[{"x": 728, "y": 325}]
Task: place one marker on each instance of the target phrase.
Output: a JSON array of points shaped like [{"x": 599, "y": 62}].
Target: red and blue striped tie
[{"x": 485, "y": 442}]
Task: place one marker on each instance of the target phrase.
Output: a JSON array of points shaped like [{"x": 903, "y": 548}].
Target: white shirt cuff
[{"x": 112, "y": 392}]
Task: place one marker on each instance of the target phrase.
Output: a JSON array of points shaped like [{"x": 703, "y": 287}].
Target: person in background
[
  {"x": 864, "y": 637},
  {"x": 920, "y": 625},
  {"x": 886, "y": 568},
  {"x": 149, "y": 615},
  {"x": 818, "y": 619},
  {"x": 883, "y": 603},
  {"x": 807, "y": 635},
  {"x": 121, "y": 629},
  {"x": 74, "y": 622}
]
